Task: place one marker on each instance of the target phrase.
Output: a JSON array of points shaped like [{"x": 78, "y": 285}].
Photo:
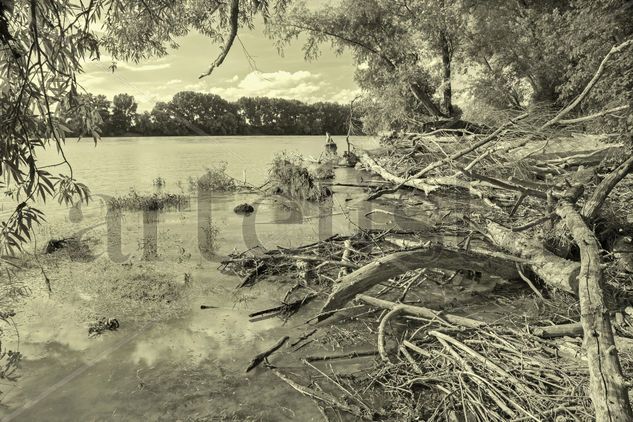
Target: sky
[{"x": 330, "y": 78}]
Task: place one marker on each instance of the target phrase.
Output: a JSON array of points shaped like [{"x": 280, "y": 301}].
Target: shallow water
[{"x": 192, "y": 366}]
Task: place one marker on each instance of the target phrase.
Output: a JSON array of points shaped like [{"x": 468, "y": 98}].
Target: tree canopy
[{"x": 198, "y": 113}]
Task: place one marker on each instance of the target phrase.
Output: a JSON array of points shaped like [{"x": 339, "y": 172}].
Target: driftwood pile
[{"x": 555, "y": 218}]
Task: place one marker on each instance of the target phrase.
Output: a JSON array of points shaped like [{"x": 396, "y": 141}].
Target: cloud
[
  {"x": 173, "y": 82},
  {"x": 142, "y": 67},
  {"x": 90, "y": 80},
  {"x": 301, "y": 85}
]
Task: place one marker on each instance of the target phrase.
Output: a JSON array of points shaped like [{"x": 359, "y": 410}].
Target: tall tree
[
  {"x": 123, "y": 113},
  {"x": 394, "y": 43}
]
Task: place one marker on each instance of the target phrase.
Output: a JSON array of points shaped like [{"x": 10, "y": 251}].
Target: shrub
[
  {"x": 214, "y": 180},
  {"x": 289, "y": 176}
]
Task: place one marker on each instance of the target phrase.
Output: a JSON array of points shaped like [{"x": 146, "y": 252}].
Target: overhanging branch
[{"x": 233, "y": 21}]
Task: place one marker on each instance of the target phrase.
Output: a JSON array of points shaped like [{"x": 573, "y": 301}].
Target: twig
[
  {"x": 259, "y": 358},
  {"x": 528, "y": 281},
  {"x": 321, "y": 396},
  {"x": 350, "y": 355}
]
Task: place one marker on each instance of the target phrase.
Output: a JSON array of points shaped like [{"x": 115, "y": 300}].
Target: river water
[{"x": 191, "y": 366}]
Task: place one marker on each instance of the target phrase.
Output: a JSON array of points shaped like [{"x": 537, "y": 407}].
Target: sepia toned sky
[{"x": 330, "y": 78}]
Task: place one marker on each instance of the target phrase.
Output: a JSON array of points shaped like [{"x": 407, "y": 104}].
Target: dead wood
[
  {"x": 608, "y": 390},
  {"x": 450, "y": 158},
  {"x": 585, "y": 158},
  {"x": 434, "y": 256},
  {"x": 304, "y": 337},
  {"x": 322, "y": 396},
  {"x": 562, "y": 330},
  {"x": 596, "y": 77},
  {"x": 260, "y": 357},
  {"x": 593, "y": 116},
  {"x": 468, "y": 149},
  {"x": 555, "y": 271},
  {"x": 284, "y": 309},
  {"x": 592, "y": 206},
  {"x": 350, "y": 355},
  {"x": 421, "y": 311},
  {"x": 251, "y": 277}
]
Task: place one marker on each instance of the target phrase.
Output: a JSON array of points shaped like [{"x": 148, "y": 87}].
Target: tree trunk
[
  {"x": 447, "y": 94},
  {"x": 553, "y": 270},
  {"x": 607, "y": 387},
  {"x": 434, "y": 256},
  {"x": 425, "y": 100}
]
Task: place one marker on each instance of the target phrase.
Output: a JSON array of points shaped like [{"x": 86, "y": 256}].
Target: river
[{"x": 189, "y": 366}]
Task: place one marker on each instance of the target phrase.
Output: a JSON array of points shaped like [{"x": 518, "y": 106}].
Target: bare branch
[
  {"x": 593, "y": 116},
  {"x": 590, "y": 85},
  {"x": 233, "y": 20}
]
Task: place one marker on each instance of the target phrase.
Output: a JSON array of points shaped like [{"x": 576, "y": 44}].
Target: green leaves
[
  {"x": 69, "y": 190},
  {"x": 17, "y": 230}
]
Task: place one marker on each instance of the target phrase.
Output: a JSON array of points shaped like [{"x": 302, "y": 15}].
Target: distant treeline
[{"x": 196, "y": 113}]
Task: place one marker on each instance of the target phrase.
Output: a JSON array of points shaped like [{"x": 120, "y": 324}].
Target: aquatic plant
[
  {"x": 289, "y": 175},
  {"x": 135, "y": 201},
  {"x": 159, "y": 182},
  {"x": 214, "y": 180},
  {"x": 209, "y": 234}
]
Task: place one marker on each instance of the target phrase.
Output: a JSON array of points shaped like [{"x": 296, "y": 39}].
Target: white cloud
[
  {"x": 198, "y": 86},
  {"x": 90, "y": 80},
  {"x": 173, "y": 82},
  {"x": 301, "y": 85},
  {"x": 142, "y": 67}
]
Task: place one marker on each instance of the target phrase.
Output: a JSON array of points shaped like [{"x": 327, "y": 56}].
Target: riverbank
[
  {"x": 389, "y": 303},
  {"x": 518, "y": 237}
]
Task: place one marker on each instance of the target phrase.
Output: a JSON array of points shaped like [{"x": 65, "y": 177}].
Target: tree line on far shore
[{"x": 197, "y": 113}]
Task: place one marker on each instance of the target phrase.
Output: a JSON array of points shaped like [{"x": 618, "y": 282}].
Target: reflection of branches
[
  {"x": 233, "y": 21},
  {"x": 10, "y": 359}
]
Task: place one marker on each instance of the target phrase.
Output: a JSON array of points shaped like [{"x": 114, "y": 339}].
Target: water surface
[{"x": 190, "y": 367}]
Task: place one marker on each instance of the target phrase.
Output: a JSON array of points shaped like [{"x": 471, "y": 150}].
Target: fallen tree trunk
[
  {"x": 589, "y": 158},
  {"x": 426, "y": 185},
  {"x": 563, "y": 330},
  {"x": 553, "y": 270},
  {"x": 608, "y": 390},
  {"x": 434, "y": 256}
]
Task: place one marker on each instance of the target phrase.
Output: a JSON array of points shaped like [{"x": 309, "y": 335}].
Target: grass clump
[
  {"x": 135, "y": 201},
  {"x": 288, "y": 175},
  {"x": 214, "y": 180}
]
